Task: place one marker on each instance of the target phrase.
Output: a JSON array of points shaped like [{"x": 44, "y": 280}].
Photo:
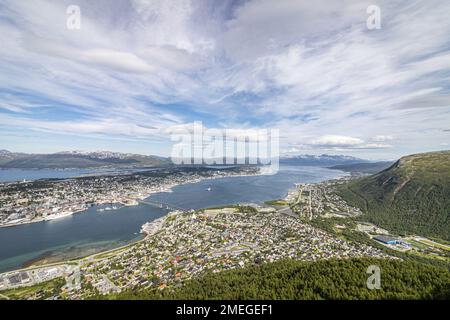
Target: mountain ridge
[
  {"x": 87, "y": 159},
  {"x": 323, "y": 160},
  {"x": 363, "y": 167},
  {"x": 411, "y": 196},
  {"x": 78, "y": 159}
]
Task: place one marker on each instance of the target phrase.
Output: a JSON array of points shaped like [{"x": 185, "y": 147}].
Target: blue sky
[{"x": 313, "y": 70}]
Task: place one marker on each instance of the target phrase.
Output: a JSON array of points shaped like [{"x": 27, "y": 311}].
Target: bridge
[{"x": 160, "y": 204}]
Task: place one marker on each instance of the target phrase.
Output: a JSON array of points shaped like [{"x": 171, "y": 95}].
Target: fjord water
[
  {"x": 94, "y": 231},
  {"x": 250, "y": 189},
  {"x": 11, "y": 175}
]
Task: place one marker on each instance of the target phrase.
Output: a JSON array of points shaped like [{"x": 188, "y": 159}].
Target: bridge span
[{"x": 160, "y": 204}]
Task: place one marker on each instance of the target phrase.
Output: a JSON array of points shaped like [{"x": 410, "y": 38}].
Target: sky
[{"x": 311, "y": 69}]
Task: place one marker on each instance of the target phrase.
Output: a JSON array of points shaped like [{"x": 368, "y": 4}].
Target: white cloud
[
  {"x": 113, "y": 60},
  {"x": 336, "y": 141},
  {"x": 374, "y": 146},
  {"x": 307, "y": 68},
  {"x": 264, "y": 27},
  {"x": 382, "y": 138}
]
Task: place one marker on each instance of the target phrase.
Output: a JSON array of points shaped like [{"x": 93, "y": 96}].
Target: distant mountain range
[
  {"x": 97, "y": 159},
  {"x": 320, "y": 160},
  {"x": 78, "y": 159},
  {"x": 365, "y": 167},
  {"x": 411, "y": 196}
]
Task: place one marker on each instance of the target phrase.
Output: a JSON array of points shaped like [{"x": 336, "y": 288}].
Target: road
[{"x": 287, "y": 211}]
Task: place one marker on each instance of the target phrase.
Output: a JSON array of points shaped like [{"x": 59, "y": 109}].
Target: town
[
  {"x": 26, "y": 202},
  {"x": 320, "y": 202},
  {"x": 310, "y": 201},
  {"x": 187, "y": 244},
  {"x": 183, "y": 245}
]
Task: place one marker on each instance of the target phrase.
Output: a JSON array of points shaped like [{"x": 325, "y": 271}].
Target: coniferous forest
[
  {"x": 410, "y": 197},
  {"x": 326, "y": 279}
]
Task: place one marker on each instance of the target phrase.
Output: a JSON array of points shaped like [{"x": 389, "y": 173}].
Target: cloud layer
[{"x": 311, "y": 69}]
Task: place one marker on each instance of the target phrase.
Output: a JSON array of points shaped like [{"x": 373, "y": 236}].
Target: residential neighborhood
[
  {"x": 184, "y": 245},
  {"x": 25, "y": 202}
]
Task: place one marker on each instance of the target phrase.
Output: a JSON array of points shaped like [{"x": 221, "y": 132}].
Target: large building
[{"x": 387, "y": 240}]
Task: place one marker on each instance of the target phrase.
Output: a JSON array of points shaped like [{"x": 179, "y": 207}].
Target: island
[{"x": 48, "y": 199}]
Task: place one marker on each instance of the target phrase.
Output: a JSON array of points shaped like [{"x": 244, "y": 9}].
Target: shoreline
[
  {"x": 143, "y": 236},
  {"x": 57, "y": 257},
  {"x": 134, "y": 202},
  {"x": 142, "y": 232},
  {"x": 89, "y": 257}
]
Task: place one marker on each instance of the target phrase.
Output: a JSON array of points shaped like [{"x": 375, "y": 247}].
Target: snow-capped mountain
[
  {"x": 4, "y": 152},
  {"x": 320, "y": 160},
  {"x": 100, "y": 154},
  {"x": 6, "y": 155},
  {"x": 78, "y": 159}
]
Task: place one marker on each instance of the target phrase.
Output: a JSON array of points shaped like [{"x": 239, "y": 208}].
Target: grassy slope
[{"x": 412, "y": 196}]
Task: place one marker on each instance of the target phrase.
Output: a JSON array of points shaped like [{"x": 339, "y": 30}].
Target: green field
[
  {"x": 43, "y": 290},
  {"x": 276, "y": 202},
  {"x": 435, "y": 244}
]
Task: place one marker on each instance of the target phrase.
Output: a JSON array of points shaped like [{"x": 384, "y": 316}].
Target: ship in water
[
  {"x": 66, "y": 213},
  {"x": 108, "y": 209}
]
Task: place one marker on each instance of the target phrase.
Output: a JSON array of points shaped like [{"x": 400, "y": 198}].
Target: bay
[
  {"x": 12, "y": 175},
  {"x": 93, "y": 231}
]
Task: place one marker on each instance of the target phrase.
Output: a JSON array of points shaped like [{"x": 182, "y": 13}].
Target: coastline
[
  {"x": 130, "y": 202},
  {"x": 89, "y": 257},
  {"x": 58, "y": 258},
  {"x": 39, "y": 262}
]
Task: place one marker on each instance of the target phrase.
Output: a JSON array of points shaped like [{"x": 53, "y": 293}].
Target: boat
[{"x": 209, "y": 189}]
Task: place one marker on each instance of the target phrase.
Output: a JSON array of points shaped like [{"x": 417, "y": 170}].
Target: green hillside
[
  {"x": 411, "y": 196},
  {"x": 9, "y": 160},
  {"x": 326, "y": 279},
  {"x": 364, "y": 167}
]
